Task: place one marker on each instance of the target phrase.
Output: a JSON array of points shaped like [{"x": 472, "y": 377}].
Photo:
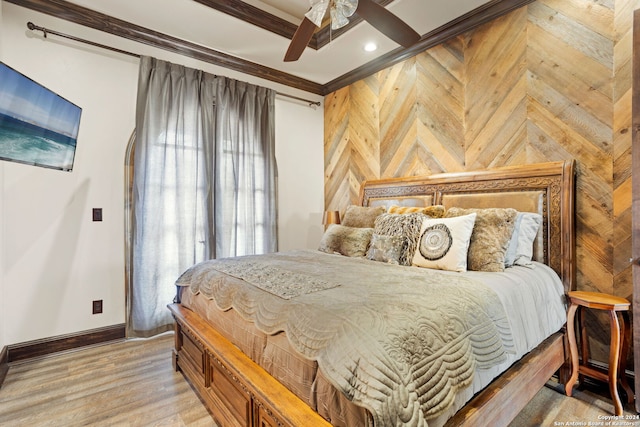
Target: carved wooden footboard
[{"x": 238, "y": 392}]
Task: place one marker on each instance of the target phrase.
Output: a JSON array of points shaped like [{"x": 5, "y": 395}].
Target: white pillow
[
  {"x": 520, "y": 249},
  {"x": 444, "y": 243}
]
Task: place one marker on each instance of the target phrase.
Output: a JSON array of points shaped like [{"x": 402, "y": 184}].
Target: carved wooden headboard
[{"x": 546, "y": 188}]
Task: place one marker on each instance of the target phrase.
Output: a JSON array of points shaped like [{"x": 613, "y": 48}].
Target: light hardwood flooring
[
  {"x": 132, "y": 383},
  {"x": 551, "y": 407},
  {"x": 129, "y": 383}
]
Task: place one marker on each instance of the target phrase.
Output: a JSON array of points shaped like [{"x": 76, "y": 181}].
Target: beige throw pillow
[
  {"x": 386, "y": 248},
  {"x": 348, "y": 241},
  {"x": 434, "y": 211},
  {"x": 406, "y": 226},
  {"x": 361, "y": 216},
  {"x": 490, "y": 237}
]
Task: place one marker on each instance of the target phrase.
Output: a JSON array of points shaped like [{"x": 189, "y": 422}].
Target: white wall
[
  {"x": 300, "y": 175},
  {"x": 55, "y": 260}
]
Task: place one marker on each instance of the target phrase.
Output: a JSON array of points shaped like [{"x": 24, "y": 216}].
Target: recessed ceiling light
[{"x": 370, "y": 47}]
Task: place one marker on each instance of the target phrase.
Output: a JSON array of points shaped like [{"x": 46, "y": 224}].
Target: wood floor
[
  {"x": 128, "y": 383},
  {"x": 132, "y": 383},
  {"x": 550, "y": 407}
]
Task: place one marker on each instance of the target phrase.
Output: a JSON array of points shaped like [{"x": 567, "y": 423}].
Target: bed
[{"x": 230, "y": 344}]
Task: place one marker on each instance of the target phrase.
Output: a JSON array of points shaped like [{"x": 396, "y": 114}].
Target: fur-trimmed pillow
[
  {"x": 434, "y": 211},
  {"x": 386, "y": 248},
  {"x": 490, "y": 237},
  {"x": 361, "y": 216},
  {"x": 444, "y": 243},
  {"x": 348, "y": 241},
  {"x": 406, "y": 226}
]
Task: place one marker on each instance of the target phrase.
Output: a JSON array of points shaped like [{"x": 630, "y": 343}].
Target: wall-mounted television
[{"x": 37, "y": 126}]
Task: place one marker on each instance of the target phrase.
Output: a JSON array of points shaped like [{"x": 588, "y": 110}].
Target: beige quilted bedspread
[{"x": 399, "y": 341}]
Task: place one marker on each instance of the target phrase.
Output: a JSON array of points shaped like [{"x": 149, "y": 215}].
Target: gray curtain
[
  {"x": 204, "y": 181},
  {"x": 245, "y": 190}
]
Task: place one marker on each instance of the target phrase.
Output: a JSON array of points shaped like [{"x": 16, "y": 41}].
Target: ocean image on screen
[{"x": 37, "y": 126}]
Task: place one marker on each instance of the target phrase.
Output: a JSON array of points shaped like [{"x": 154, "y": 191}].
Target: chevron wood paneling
[
  {"x": 622, "y": 140},
  {"x": 549, "y": 81},
  {"x": 336, "y": 154},
  {"x": 351, "y": 141},
  {"x": 440, "y": 107},
  {"x": 623, "y": 24},
  {"x": 496, "y": 92},
  {"x": 570, "y": 93},
  {"x": 399, "y": 147}
]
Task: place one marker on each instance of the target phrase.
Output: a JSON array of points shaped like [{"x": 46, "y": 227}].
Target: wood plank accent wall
[
  {"x": 622, "y": 142},
  {"x": 549, "y": 81}
]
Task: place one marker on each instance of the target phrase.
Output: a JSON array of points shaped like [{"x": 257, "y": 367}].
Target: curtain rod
[{"x": 46, "y": 31}]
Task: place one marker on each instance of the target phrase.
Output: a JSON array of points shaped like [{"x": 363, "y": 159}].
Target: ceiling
[{"x": 253, "y": 35}]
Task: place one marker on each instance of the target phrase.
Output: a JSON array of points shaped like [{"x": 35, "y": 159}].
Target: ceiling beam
[
  {"x": 267, "y": 21},
  {"x": 80, "y": 15},
  {"x": 89, "y": 18},
  {"x": 256, "y": 16}
]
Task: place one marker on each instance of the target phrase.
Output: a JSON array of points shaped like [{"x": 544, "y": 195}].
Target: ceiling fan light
[
  {"x": 318, "y": 11},
  {"x": 337, "y": 19},
  {"x": 345, "y": 8}
]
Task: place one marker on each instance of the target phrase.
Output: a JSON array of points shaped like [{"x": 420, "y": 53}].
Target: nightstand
[{"x": 618, "y": 309}]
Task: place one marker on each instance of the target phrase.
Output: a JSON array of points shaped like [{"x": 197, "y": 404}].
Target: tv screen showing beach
[{"x": 37, "y": 126}]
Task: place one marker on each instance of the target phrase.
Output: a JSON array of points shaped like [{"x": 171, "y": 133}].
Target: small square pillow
[
  {"x": 348, "y": 241},
  {"x": 434, "y": 211},
  {"x": 520, "y": 248},
  {"x": 406, "y": 226},
  {"x": 386, "y": 248},
  {"x": 490, "y": 238},
  {"x": 361, "y": 216},
  {"x": 444, "y": 243}
]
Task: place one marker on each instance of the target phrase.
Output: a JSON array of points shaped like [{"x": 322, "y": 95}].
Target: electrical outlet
[{"x": 97, "y": 306}]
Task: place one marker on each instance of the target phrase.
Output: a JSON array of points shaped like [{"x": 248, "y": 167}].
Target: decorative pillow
[
  {"x": 406, "y": 226},
  {"x": 444, "y": 243},
  {"x": 490, "y": 238},
  {"x": 348, "y": 241},
  {"x": 361, "y": 216},
  {"x": 434, "y": 211},
  {"x": 386, "y": 248},
  {"x": 520, "y": 248}
]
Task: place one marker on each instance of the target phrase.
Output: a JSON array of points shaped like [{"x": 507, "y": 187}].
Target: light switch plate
[{"x": 97, "y": 306}]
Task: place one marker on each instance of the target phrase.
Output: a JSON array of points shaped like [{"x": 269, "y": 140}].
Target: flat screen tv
[{"x": 37, "y": 126}]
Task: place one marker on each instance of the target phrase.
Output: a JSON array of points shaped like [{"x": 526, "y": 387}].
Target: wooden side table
[{"x": 618, "y": 308}]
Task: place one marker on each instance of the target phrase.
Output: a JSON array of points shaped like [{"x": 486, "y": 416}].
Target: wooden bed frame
[{"x": 238, "y": 392}]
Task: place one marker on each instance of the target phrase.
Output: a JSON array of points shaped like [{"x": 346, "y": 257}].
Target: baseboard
[
  {"x": 46, "y": 346},
  {"x": 4, "y": 363}
]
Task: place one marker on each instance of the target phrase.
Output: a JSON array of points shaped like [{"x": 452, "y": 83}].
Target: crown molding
[
  {"x": 481, "y": 15},
  {"x": 99, "y": 21},
  {"x": 83, "y": 16}
]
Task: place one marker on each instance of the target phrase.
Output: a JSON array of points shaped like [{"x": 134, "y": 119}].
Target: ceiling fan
[{"x": 340, "y": 11}]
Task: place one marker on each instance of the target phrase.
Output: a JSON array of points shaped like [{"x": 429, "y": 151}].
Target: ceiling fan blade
[
  {"x": 387, "y": 23},
  {"x": 300, "y": 40}
]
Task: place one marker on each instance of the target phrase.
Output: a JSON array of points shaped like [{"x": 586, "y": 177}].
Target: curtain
[
  {"x": 195, "y": 185},
  {"x": 245, "y": 190}
]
